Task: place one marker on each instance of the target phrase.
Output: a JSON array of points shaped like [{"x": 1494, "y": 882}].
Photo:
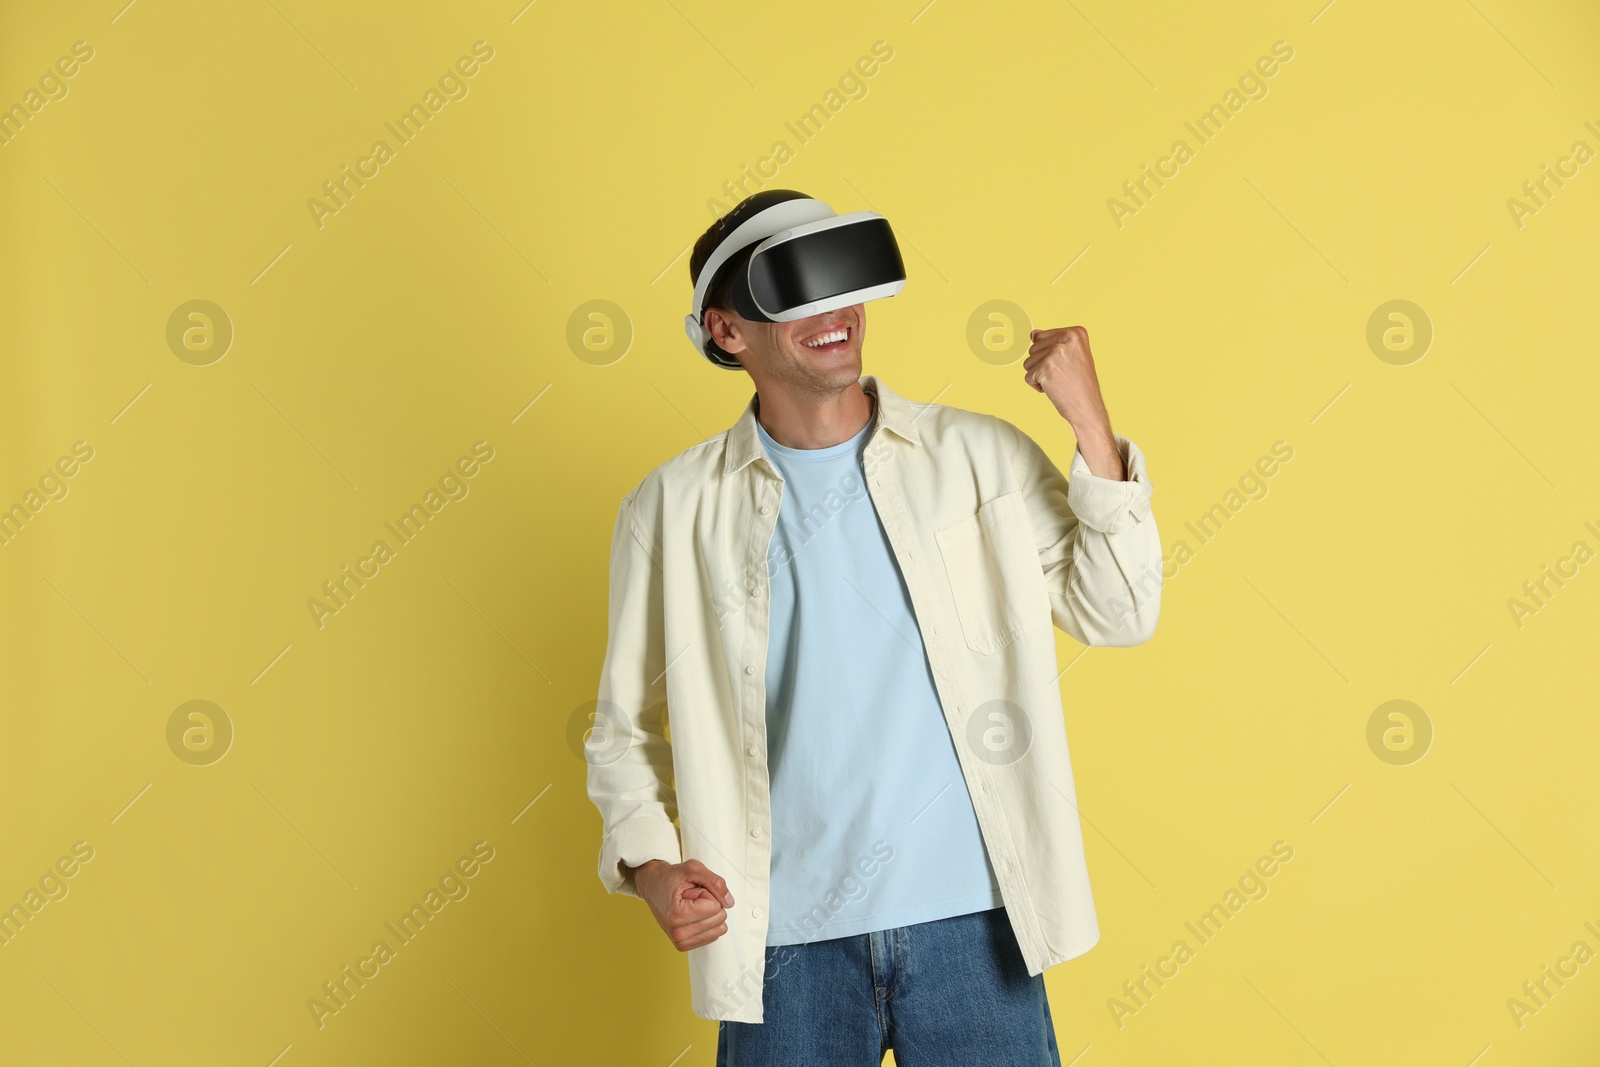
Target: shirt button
[
  {"x": 755, "y": 913},
  {"x": 755, "y": 590},
  {"x": 766, "y": 509},
  {"x": 756, "y": 832},
  {"x": 753, "y": 750},
  {"x": 749, "y": 670}
]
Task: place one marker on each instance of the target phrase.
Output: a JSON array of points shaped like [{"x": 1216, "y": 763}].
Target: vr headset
[{"x": 807, "y": 260}]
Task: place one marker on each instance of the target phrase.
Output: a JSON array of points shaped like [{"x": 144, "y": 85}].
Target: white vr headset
[{"x": 807, "y": 261}]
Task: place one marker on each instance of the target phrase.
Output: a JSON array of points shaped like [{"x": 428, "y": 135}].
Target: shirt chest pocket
[{"x": 994, "y": 573}]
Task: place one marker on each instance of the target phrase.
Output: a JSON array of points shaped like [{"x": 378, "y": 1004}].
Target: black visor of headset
[{"x": 806, "y": 261}]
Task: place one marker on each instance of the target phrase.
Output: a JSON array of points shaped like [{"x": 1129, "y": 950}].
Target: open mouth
[{"x": 833, "y": 340}]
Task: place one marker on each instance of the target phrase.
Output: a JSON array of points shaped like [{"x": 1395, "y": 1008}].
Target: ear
[{"x": 724, "y": 331}]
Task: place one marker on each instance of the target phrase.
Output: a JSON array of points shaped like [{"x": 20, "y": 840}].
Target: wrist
[
  {"x": 1092, "y": 426},
  {"x": 648, "y": 866}
]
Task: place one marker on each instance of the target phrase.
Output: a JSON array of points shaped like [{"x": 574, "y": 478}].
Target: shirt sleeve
[
  {"x": 629, "y": 757},
  {"x": 1098, "y": 544}
]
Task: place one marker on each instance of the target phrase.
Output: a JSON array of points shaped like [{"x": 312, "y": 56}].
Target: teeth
[{"x": 828, "y": 338}]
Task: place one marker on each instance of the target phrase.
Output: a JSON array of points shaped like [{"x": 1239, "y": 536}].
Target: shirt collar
[{"x": 894, "y": 413}]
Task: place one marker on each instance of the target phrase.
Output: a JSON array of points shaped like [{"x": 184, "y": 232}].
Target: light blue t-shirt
[{"x": 872, "y": 823}]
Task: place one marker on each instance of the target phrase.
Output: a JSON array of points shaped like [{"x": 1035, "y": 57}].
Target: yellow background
[{"x": 431, "y": 712}]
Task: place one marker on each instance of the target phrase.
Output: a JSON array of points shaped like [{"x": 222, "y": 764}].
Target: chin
[{"x": 845, "y": 368}]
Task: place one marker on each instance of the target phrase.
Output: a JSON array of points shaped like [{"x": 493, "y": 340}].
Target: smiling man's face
[{"x": 818, "y": 355}]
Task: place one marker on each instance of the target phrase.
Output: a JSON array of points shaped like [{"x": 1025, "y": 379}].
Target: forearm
[{"x": 1098, "y": 446}]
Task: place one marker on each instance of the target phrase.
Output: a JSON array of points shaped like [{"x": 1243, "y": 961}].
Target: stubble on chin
[{"x": 824, "y": 382}]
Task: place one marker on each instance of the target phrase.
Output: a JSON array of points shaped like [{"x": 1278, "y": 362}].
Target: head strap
[{"x": 758, "y": 227}]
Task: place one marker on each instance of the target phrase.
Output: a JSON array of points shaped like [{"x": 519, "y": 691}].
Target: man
[{"x": 863, "y": 828}]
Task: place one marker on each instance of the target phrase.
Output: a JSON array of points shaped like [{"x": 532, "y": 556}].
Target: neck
[{"x": 814, "y": 421}]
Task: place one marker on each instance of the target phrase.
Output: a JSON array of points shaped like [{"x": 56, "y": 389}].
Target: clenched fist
[
  {"x": 687, "y": 900},
  {"x": 1060, "y": 366}
]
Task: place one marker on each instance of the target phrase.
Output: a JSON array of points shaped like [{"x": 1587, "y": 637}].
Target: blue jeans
[{"x": 948, "y": 993}]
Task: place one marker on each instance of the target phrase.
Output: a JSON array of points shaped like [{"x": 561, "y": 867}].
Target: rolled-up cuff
[
  {"x": 1105, "y": 504},
  {"x": 635, "y": 843}
]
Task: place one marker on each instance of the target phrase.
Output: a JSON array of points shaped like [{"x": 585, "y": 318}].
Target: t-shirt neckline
[{"x": 816, "y": 454}]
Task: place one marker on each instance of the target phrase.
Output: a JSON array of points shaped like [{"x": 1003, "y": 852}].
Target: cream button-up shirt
[{"x": 997, "y": 549}]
